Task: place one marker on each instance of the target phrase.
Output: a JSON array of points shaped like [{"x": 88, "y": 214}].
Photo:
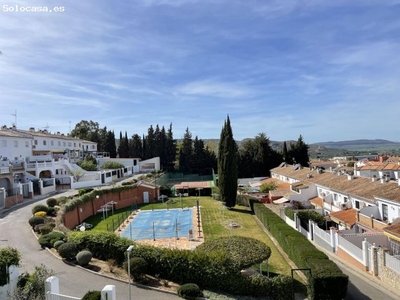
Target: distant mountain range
[
  {"x": 331, "y": 149},
  {"x": 361, "y": 144}
]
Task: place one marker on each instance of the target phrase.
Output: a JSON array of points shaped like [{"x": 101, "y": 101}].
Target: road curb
[{"x": 143, "y": 286}]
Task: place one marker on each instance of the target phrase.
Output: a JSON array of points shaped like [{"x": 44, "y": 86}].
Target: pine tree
[
  {"x": 135, "y": 146},
  {"x": 285, "y": 153},
  {"x": 227, "y": 166},
  {"x": 170, "y": 150}
]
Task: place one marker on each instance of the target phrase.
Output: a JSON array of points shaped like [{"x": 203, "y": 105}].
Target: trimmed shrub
[
  {"x": 39, "y": 207},
  {"x": 51, "y": 202},
  {"x": 68, "y": 251},
  {"x": 112, "y": 165},
  {"x": 138, "y": 267},
  {"x": 52, "y": 212},
  {"x": 189, "y": 291},
  {"x": 48, "y": 240},
  {"x": 36, "y": 220},
  {"x": 84, "y": 257},
  {"x": 47, "y": 228},
  {"x": 84, "y": 191},
  {"x": 40, "y": 214},
  {"x": 244, "y": 250},
  {"x": 58, "y": 244},
  {"x": 92, "y": 295}
]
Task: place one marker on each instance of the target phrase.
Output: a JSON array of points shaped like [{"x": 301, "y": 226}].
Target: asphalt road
[
  {"x": 361, "y": 285},
  {"x": 74, "y": 281}
]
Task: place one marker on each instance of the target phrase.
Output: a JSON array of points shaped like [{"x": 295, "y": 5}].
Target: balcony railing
[{"x": 5, "y": 170}]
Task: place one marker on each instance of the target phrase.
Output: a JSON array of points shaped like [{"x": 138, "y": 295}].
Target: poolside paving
[{"x": 183, "y": 242}]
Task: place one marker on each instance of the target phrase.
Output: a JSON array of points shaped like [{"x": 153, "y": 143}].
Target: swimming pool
[{"x": 159, "y": 224}]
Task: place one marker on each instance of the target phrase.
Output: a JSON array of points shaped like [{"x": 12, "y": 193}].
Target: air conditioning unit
[
  {"x": 343, "y": 206},
  {"x": 33, "y": 147}
]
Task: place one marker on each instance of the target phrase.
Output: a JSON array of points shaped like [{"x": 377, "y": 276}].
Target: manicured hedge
[
  {"x": 245, "y": 251},
  {"x": 327, "y": 280},
  {"x": 214, "y": 270}
]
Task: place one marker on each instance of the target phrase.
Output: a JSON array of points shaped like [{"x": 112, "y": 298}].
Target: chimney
[
  {"x": 349, "y": 177},
  {"x": 32, "y": 129},
  {"x": 14, "y": 127}
]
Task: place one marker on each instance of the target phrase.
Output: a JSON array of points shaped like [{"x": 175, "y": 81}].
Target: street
[{"x": 16, "y": 232}]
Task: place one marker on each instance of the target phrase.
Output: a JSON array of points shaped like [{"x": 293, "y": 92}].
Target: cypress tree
[{"x": 227, "y": 166}]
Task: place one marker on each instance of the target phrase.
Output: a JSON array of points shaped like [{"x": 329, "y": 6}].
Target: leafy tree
[
  {"x": 269, "y": 186},
  {"x": 150, "y": 143},
  {"x": 170, "y": 150},
  {"x": 186, "y": 151},
  {"x": 123, "y": 149},
  {"x": 110, "y": 146},
  {"x": 8, "y": 256},
  {"x": 135, "y": 147},
  {"x": 32, "y": 286},
  {"x": 77, "y": 174},
  {"x": 87, "y": 164},
  {"x": 227, "y": 166},
  {"x": 298, "y": 152},
  {"x": 285, "y": 153}
]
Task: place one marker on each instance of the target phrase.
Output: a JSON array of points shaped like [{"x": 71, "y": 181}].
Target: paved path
[
  {"x": 361, "y": 285},
  {"x": 74, "y": 281}
]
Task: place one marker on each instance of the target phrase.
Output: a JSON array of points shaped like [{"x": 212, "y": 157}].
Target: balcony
[{"x": 5, "y": 170}]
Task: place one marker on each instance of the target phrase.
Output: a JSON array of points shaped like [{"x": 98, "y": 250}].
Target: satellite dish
[{"x": 82, "y": 228}]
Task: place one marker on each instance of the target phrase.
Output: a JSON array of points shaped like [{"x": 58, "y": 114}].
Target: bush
[
  {"x": 39, "y": 207},
  {"x": 40, "y": 214},
  {"x": 48, "y": 240},
  {"x": 189, "y": 291},
  {"x": 84, "y": 257},
  {"x": 58, "y": 244},
  {"x": 84, "y": 191},
  {"x": 92, "y": 295},
  {"x": 8, "y": 256},
  {"x": 138, "y": 267},
  {"x": 52, "y": 212},
  {"x": 47, "y": 228},
  {"x": 244, "y": 250},
  {"x": 68, "y": 251},
  {"x": 36, "y": 220},
  {"x": 51, "y": 202},
  {"x": 111, "y": 165}
]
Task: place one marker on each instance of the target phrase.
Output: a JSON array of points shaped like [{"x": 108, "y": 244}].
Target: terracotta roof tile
[
  {"x": 345, "y": 218},
  {"x": 358, "y": 186},
  {"x": 316, "y": 201}
]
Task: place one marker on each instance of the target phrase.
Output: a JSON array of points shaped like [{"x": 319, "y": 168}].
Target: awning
[{"x": 281, "y": 200}]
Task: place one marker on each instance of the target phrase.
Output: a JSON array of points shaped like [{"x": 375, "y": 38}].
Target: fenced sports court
[{"x": 160, "y": 224}]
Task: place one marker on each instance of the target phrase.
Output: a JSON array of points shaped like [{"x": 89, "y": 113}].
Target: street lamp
[{"x": 129, "y": 250}]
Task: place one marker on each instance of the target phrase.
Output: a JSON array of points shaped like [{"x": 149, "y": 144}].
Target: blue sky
[{"x": 329, "y": 70}]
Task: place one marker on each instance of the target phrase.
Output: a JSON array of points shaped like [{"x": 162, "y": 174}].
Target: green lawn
[
  {"x": 215, "y": 219},
  {"x": 215, "y": 216}
]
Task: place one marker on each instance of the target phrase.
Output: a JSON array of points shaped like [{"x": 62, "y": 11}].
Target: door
[{"x": 145, "y": 197}]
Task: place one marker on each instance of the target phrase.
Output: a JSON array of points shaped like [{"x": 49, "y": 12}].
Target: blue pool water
[{"x": 159, "y": 224}]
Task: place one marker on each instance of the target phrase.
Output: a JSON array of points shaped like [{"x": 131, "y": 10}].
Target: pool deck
[{"x": 181, "y": 243}]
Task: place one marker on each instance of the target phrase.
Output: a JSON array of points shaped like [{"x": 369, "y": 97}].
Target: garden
[{"x": 215, "y": 266}]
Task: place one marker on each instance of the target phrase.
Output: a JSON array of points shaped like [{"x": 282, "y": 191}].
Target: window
[
  {"x": 335, "y": 197},
  {"x": 15, "y": 143},
  {"x": 345, "y": 199},
  {"x": 36, "y": 142},
  {"x": 79, "y": 145},
  {"x": 59, "y": 143},
  {"x": 44, "y": 142},
  {"x": 74, "y": 144},
  {"x": 3, "y": 143},
  {"x": 64, "y": 144},
  {"x": 52, "y": 143},
  {"x": 27, "y": 144},
  {"x": 384, "y": 212},
  {"x": 69, "y": 144},
  {"x": 357, "y": 204},
  {"x": 92, "y": 146}
]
